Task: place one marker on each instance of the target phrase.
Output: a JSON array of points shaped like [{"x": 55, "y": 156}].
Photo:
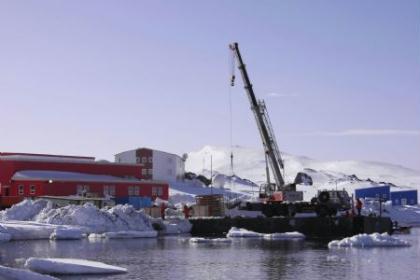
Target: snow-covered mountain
[{"x": 249, "y": 163}]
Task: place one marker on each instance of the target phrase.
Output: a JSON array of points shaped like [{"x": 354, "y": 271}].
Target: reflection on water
[{"x": 176, "y": 258}]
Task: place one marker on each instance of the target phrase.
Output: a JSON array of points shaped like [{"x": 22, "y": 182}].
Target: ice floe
[
  {"x": 8, "y": 273},
  {"x": 210, "y": 240},
  {"x": 369, "y": 241},
  {"x": 62, "y": 233},
  {"x": 284, "y": 236},
  {"x": 235, "y": 232},
  {"x": 71, "y": 266}
]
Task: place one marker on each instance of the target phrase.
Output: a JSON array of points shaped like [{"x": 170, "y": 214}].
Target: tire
[
  {"x": 291, "y": 210},
  {"x": 322, "y": 211},
  {"x": 268, "y": 211},
  {"x": 324, "y": 197}
]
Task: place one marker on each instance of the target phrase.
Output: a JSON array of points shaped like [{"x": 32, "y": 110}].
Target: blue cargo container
[
  {"x": 121, "y": 200},
  {"x": 408, "y": 197},
  {"x": 139, "y": 201},
  {"x": 382, "y": 192}
]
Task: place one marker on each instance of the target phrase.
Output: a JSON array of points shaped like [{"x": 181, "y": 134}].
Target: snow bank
[
  {"x": 285, "y": 236},
  {"x": 71, "y": 266},
  {"x": 369, "y": 240},
  {"x": 21, "y": 274},
  {"x": 92, "y": 219},
  {"x": 241, "y": 232},
  {"x": 23, "y": 211},
  {"x": 210, "y": 240},
  {"x": 62, "y": 233}
]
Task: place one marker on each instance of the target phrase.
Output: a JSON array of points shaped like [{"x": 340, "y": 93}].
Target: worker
[
  {"x": 359, "y": 205},
  {"x": 162, "y": 210},
  {"x": 186, "y": 211}
]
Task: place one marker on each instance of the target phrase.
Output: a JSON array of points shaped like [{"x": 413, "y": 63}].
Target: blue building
[
  {"x": 382, "y": 191},
  {"x": 406, "y": 197}
]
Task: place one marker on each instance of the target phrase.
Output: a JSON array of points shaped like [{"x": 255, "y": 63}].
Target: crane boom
[{"x": 263, "y": 122}]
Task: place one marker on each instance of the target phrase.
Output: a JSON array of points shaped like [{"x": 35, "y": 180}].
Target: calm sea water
[{"x": 176, "y": 258}]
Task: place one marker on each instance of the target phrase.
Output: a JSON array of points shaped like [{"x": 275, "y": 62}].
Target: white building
[{"x": 158, "y": 165}]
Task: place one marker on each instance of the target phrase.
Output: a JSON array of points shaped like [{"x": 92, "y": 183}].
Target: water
[{"x": 176, "y": 258}]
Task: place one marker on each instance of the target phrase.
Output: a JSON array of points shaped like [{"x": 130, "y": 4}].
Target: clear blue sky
[{"x": 341, "y": 78}]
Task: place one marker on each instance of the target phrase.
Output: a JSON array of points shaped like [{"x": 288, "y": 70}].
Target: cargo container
[
  {"x": 404, "y": 197},
  {"x": 377, "y": 192}
]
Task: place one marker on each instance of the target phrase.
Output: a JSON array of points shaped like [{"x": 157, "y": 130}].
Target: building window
[
  {"x": 20, "y": 189},
  {"x": 144, "y": 172},
  {"x": 109, "y": 190},
  {"x": 150, "y": 159},
  {"x": 82, "y": 190},
  {"x": 144, "y": 160},
  {"x": 137, "y": 160},
  {"x": 32, "y": 189},
  {"x": 133, "y": 191},
  {"x": 150, "y": 171},
  {"x": 112, "y": 190},
  {"x": 157, "y": 191}
]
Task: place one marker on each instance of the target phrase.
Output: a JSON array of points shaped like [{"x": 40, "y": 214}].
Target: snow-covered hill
[{"x": 249, "y": 163}]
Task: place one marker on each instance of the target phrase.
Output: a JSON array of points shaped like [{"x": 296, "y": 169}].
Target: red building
[{"x": 30, "y": 175}]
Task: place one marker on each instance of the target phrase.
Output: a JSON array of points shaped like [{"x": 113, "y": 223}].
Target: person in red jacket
[
  {"x": 359, "y": 206},
  {"x": 186, "y": 211}
]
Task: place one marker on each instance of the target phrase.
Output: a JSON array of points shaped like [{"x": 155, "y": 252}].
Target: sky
[{"x": 341, "y": 79}]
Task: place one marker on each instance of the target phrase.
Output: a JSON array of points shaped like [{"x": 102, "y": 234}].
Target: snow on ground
[
  {"x": 89, "y": 217},
  {"x": 368, "y": 241},
  {"x": 73, "y": 221},
  {"x": 408, "y": 215},
  {"x": 235, "y": 232},
  {"x": 8, "y": 273},
  {"x": 71, "y": 266},
  {"x": 23, "y": 211}
]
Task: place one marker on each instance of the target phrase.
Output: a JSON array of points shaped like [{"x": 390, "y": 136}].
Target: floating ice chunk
[
  {"x": 369, "y": 240},
  {"x": 5, "y": 237},
  {"x": 63, "y": 233},
  {"x": 26, "y": 230},
  {"x": 175, "y": 226},
  {"x": 71, "y": 266},
  {"x": 294, "y": 235},
  {"x": 95, "y": 236},
  {"x": 210, "y": 240},
  {"x": 22, "y": 274},
  {"x": 241, "y": 232},
  {"x": 130, "y": 234}
]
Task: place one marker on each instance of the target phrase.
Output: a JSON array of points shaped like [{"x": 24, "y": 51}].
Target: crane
[
  {"x": 262, "y": 119},
  {"x": 275, "y": 194}
]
